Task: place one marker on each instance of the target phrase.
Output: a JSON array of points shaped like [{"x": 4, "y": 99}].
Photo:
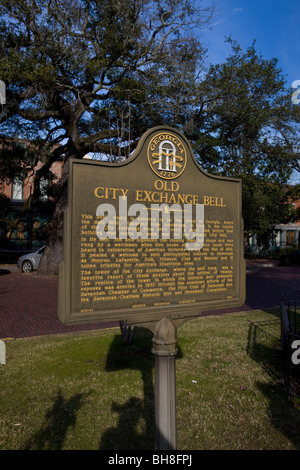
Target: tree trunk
[{"x": 53, "y": 254}]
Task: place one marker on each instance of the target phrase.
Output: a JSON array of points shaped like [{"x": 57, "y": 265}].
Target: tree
[
  {"x": 18, "y": 164},
  {"x": 80, "y": 72},
  {"x": 245, "y": 125}
]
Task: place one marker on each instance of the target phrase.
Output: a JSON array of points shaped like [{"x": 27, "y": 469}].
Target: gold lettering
[
  {"x": 96, "y": 192},
  {"x": 155, "y": 200},
  {"x": 180, "y": 198},
  {"x": 172, "y": 198},
  {"x": 213, "y": 201},
  {"x": 147, "y": 196},
  {"x": 114, "y": 190},
  {"x": 159, "y": 186},
  {"x": 174, "y": 186},
  {"x": 163, "y": 197},
  {"x": 124, "y": 191},
  {"x": 138, "y": 195},
  {"x": 102, "y": 193}
]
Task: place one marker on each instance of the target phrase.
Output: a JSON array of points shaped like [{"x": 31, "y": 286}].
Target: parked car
[
  {"x": 30, "y": 262},
  {"x": 289, "y": 259}
]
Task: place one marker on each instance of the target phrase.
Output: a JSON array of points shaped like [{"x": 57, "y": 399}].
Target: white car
[{"x": 30, "y": 262}]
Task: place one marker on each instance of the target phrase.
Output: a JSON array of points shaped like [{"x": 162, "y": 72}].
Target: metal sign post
[{"x": 165, "y": 350}]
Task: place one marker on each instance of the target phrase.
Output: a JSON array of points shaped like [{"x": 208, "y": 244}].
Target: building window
[{"x": 17, "y": 190}]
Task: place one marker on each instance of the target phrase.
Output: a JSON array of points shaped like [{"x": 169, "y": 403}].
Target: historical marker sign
[{"x": 151, "y": 237}]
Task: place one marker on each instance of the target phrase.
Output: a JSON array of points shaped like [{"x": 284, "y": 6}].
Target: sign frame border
[{"x": 178, "y": 312}]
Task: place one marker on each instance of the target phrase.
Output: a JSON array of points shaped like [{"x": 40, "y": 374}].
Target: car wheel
[{"x": 27, "y": 267}]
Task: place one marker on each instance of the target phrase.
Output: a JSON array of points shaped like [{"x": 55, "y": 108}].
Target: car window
[{"x": 41, "y": 250}]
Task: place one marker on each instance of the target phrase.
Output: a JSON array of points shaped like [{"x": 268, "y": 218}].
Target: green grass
[{"x": 91, "y": 391}]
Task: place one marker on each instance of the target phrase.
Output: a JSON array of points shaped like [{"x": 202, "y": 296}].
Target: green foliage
[
  {"x": 93, "y": 76},
  {"x": 288, "y": 250},
  {"x": 69, "y": 67},
  {"x": 247, "y": 127}
]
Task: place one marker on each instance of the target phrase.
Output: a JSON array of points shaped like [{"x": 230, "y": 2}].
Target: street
[{"x": 28, "y": 302}]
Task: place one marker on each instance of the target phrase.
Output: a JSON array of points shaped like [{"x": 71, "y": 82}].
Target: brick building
[{"x": 22, "y": 231}]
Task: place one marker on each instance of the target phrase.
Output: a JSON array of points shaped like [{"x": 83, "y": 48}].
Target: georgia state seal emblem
[{"x": 166, "y": 155}]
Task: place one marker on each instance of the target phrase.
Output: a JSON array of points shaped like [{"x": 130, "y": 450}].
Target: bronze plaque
[{"x": 153, "y": 236}]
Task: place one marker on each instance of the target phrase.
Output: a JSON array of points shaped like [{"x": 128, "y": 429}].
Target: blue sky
[{"x": 274, "y": 24}]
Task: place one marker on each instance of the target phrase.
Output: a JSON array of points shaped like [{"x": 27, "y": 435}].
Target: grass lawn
[{"x": 90, "y": 391}]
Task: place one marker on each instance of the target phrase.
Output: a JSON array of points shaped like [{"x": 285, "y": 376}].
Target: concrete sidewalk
[{"x": 28, "y": 302}]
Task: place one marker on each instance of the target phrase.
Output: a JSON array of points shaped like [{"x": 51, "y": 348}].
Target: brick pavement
[
  {"x": 28, "y": 302},
  {"x": 28, "y": 306}
]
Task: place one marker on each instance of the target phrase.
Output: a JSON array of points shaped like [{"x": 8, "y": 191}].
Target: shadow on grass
[
  {"x": 135, "y": 356},
  {"x": 283, "y": 413},
  {"x": 58, "y": 420},
  {"x": 264, "y": 347}
]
